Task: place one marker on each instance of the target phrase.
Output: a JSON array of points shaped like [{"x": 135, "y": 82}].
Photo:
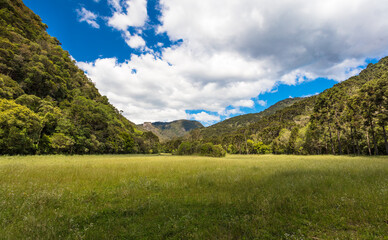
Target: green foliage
[
  {"x": 9, "y": 89},
  {"x": 261, "y": 148},
  {"x": 185, "y": 148},
  {"x": 20, "y": 128},
  {"x": 351, "y": 117},
  {"x": 208, "y": 149},
  {"x": 30, "y": 101},
  {"x": 203, "y": 149},
  {"x": 129, "y": 143},
  {"x": 62, "y": 143}
]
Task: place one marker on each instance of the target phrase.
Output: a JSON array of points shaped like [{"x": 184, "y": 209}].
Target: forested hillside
[
  {"x": 47, "y": 104},
  {"x": 233, "y": 123},
  {"x": 349, "y": 118}
]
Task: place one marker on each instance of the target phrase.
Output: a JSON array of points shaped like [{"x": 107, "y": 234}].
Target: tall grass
[{"x": 175, "y": 197}]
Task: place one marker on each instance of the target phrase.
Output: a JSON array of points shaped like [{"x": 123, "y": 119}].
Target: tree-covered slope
[
  {"x": 170, "y": 130},
  {"x": 231, "y": 124},
  {"x": 47, "y": 104},
  {"x": 349, "y": 118}
]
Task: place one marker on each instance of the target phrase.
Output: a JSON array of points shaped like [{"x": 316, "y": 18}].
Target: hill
[
  {"x": 47, "y": 104},
  {"x": 170, "y": 130},
  {"x": 349, "y": 118},
  {"x": 233, "y": 123}
]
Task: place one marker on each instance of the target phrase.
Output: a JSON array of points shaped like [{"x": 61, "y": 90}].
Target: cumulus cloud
[
  {"x": 134, "y": 41},
  {"x": 205, "y": 117},
  {"x": 126, "y": 14},
  {"x": 133, "y": 13},
  {"x": 232, "y": 51},
  {"x": 161, "y": 89},
  {"x": 85, "y": 15},
  {"x": 244, "y": 103}
]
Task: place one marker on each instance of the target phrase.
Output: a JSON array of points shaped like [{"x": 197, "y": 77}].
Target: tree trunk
[
  {"x": 246, "y": 144},
  {"x": 368, "y": 141},
  {"x": 353, "y": 145},
  {"x": 326, "y": 146},
  {"x": 357, "y": 142},
  {"x": 374, "y": 138},
  {"x": 339, "y": 142},
  {"x": 331, "y": 141}
]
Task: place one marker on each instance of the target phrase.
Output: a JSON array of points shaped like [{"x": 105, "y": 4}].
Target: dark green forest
[
  {"x": 349, "y": 118},
  {"x": 47, "y": 104}
]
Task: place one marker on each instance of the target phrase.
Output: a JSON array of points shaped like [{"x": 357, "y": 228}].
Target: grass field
[{"x": 175, "y": 197}]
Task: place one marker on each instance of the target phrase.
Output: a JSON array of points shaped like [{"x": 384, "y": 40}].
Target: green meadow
[{"x": 189, "y": 197}]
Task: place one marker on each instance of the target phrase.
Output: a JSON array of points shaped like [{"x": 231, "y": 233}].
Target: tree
[
  {"x": 20, "y": 128},
  {"x": 62, "y": 143}
]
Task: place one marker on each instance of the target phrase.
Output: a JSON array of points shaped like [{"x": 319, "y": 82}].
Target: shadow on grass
[{"x": 295, "y": 204}]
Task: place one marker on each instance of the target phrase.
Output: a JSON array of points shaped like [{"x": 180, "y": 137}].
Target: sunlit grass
[{"x": 159, "y": 197}]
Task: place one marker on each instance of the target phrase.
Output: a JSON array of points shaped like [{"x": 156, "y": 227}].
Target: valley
[{"x": 192, "y": 197}]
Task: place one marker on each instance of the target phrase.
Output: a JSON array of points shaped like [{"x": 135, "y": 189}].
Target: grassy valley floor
[{"x": 175, "y": 197}]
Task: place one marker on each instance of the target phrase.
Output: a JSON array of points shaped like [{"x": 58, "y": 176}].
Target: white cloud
[
  {"x": 304, "y": 35},
  {"x": 87, "y": 16},
  {"x": 135, "y": 14},
  {"x": 262, "y": 103},
  {"x": 244, "y": 103},
  {"x": 205, "y": 117},
  {"x": 230, "y": 112},
  {"x": 115, "y": 4},
  {"x": 232, "y": 51},
  {"x": 163, "y": 89},
  {"x": 134, "y": 41}
]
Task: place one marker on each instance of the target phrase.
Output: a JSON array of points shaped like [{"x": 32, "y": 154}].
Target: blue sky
[{"x": 161, "y": 60}]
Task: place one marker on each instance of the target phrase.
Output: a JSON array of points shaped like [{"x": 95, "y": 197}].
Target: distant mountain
[
  {"x": 234, "y": 123},
  {"x": 47, "y": 104},
  {"x": 169, "y": 130}
]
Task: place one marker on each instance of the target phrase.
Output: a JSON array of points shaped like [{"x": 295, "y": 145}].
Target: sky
[{"x": 163, "y": 60}]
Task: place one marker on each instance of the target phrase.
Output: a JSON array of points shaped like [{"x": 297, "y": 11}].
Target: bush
[
  {"x": 185, "y": 148},
  {"x": 204, "y": 149},
  {"x": 218, "y": 151}
]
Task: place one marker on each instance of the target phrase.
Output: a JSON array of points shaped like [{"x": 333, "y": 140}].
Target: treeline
[
  {"x": 349, "y": 118},
  {"x": 47, "y": 104}
]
